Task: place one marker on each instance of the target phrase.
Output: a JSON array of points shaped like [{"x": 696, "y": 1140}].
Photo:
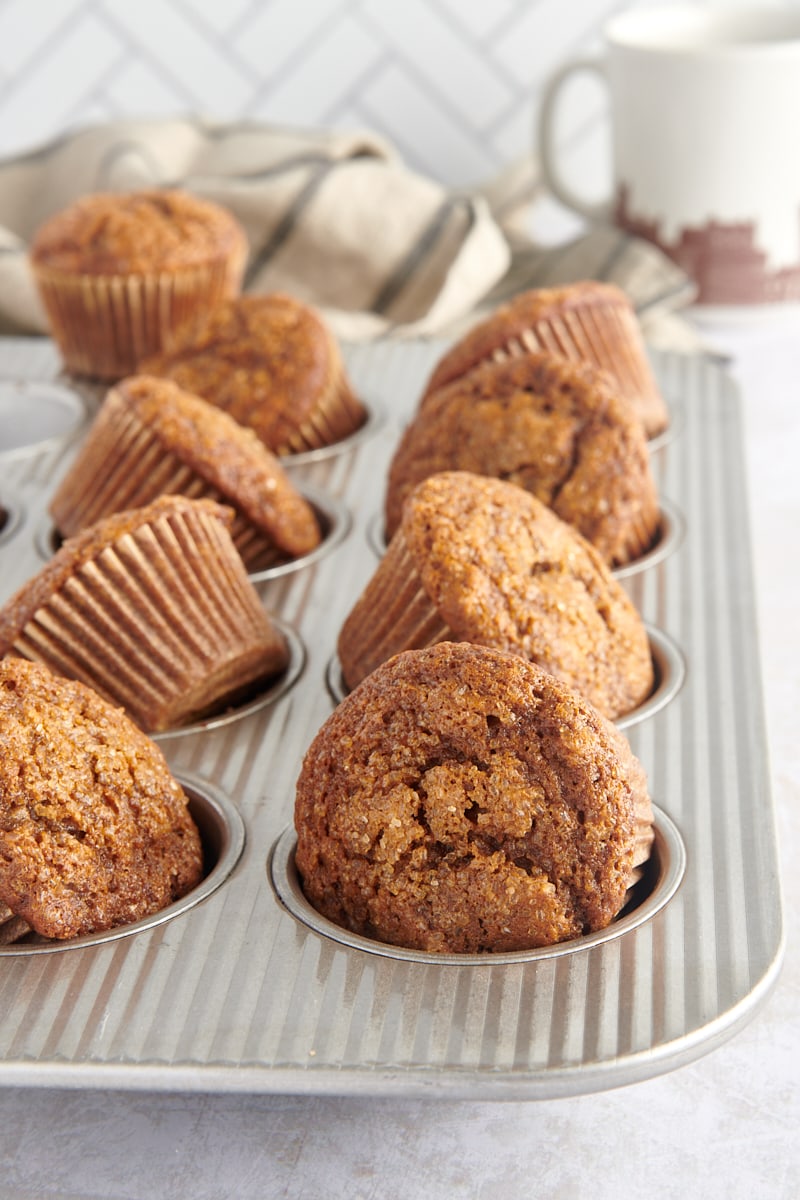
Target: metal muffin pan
[
  {"x": 249, "y": 990},
  {"x": 36, "y": 416}
]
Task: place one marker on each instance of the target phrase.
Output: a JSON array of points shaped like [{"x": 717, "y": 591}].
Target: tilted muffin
[
  {"x": 151, "y": 438},
  {"x": 463, "y": 800},
  {"x": 154, "y": 610},
  {"x": 584, "y": 322},
  {"x": 94, "y": 830},
  {"x": 557, "y": 429},
  {"x": 273, "y": 364},
  {"x": 120, "y": 272},
  {"x": 481, "y": 560}
]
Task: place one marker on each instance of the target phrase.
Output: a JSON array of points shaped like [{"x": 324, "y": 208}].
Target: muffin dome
[
  {"x": 483, "y": 561},
  {"x": 272, "y": 363},
  {"x": 119, "y": 273},
  {"x": 557, "y": 429},
  {"x": 462, "y": 800},
  {"x": 94, "y": 830},
  {"x": 135, "y": 233}
]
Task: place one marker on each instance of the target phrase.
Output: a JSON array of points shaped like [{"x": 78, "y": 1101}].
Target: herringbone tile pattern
[{"x": 452, "y": 83}]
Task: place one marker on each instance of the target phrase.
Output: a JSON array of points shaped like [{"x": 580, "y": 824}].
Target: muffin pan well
[
  {"x": 223, "y": 836},
  {"x": 264, "y": 995},
  {"x": 35, "y": 415},
  {"x": 661, "y": 878},
  {"x": 669, "y": 670},
  {"x": 333, "y": 517},
  {"x": 670, "y": 532}
]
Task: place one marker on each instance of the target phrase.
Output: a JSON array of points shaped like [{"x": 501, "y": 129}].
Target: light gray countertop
[{"x": 724, "y": 1126}]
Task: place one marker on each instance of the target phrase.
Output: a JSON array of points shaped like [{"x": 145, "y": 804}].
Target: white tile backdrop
[{"x": 452, "y": 83}]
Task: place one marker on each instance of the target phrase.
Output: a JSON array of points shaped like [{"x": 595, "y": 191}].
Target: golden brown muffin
[
  {"x": 272, "y": 363},
  {"x": 94, "y": 830},
  {"x": 557, "y": 429},
  {"x": 480, "y": 560},
  {"x": 463, "y": 800},
  {"x": 151, "y": 438},
  {"x": 154, "y": 610},
  {"x": 118, "y": 273},
  {"x": 584, "y": 322}
]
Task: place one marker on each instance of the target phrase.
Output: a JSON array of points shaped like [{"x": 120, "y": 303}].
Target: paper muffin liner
[
  {"x": 104, "y": 325},
  {"x": 163, "y": 621},
  {"x": 643, "y": 815},
  {"x": 640, "y": 535},
  {"x": 337, "y": 414},
  {"x": 394, "y": 613},
  {"x": 606, "y": 335},
  {"x": 125, "y": 465}
]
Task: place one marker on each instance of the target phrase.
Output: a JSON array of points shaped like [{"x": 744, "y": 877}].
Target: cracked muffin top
[
  {"x": 463, "y": 800},
  {"x": 499, "y": 568},
  {"x": 130, "y": 233},
  {"x": 558, "y": 429},
  {"x": 94, "y": 830}
]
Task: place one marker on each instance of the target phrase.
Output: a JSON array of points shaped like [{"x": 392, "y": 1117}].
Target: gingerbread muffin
[
  {"x": 480, "y": 560},
  {"x": 154, "y": 610},
  {"x": 119, "y": 273},
  {"x": 94, "y": 830},
  {"x": 273, "y": 364},
  {"x": 151, "y": 438},
  {"x": 463, "y": 800},
  {"x": 557, "y": 429},
  {"x": 584, "y": 322}
]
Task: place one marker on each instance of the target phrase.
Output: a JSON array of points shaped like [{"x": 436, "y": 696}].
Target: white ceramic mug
[{"x": 705, "y": 116}]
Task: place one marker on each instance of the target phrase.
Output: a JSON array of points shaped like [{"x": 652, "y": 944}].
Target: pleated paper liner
[
  {"x": 105, "y": 325},
  {"x": 337, "y": 415},
  {"x": 333, "y": 518},
  {"x": 125, "y": 464},
  {"x": 606, "y": 335},
  {"x": 402, "y": 617},
  {"x": 164, "y": 621}
]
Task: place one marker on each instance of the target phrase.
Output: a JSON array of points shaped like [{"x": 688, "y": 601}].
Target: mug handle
[{"x": 547, "y": 148}]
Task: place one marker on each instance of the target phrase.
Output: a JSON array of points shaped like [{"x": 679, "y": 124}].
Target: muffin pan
[
  {"x": 250, "y": 989},
  {"x": 35, "y": 414}
]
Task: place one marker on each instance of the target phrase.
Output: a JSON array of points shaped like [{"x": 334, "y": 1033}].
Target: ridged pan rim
[
  {"x": 667, "y": 862},
  {"x": 671, "y": 524},
  {"x": 668, "y": 662}
]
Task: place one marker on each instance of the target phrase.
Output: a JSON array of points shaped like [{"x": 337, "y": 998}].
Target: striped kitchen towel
[{"x": 336, "y": 219}]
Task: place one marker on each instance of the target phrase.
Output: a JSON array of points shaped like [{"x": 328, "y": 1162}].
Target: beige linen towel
[{"x": 336, "y": 219}]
